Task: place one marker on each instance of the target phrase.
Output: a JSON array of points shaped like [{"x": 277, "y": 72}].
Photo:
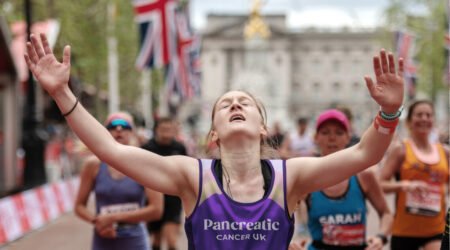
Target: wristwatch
[{"x": 383, "y": 238}]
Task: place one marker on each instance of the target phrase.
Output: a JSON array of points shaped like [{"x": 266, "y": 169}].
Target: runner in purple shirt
[{"x": 241, "y": 201}]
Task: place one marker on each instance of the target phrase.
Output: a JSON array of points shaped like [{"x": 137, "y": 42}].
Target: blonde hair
[{"x": 266, "y": 151}]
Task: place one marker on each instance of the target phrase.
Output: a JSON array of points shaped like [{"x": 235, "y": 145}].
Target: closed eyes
[
  {"x": 244, "y": 103},
  {"x": 224, "y": 105}
]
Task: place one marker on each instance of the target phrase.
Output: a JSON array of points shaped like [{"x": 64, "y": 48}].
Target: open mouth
[{"x": 237, "y": 117}]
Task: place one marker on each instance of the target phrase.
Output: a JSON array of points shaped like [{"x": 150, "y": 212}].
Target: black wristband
[
  {"x": 72, "y": 109},
  {"x": 383, "y": 238}
]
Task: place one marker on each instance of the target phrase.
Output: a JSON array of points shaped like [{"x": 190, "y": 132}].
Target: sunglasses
[{"x": 118, "y": 122}]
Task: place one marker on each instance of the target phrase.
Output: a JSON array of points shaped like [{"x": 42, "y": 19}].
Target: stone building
[{"x": 296, "y": 73}]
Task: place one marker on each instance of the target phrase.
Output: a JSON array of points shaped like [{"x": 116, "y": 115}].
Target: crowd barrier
[{"x": 31, "y": 209}]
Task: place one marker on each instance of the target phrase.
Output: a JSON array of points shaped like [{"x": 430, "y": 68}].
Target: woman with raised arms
[{"x": 241, "y": 201}]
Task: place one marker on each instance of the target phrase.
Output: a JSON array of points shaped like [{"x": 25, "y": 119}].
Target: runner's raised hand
[
  {"x": 388, "y": 90},
  {"x": 51, "y": 74}
]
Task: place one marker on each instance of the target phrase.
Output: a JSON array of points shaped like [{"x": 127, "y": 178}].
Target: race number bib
[
  {"x": 427, "y": 203},
  {"x": 343, "y": 235},
  {"x": 119, "y": 208}
]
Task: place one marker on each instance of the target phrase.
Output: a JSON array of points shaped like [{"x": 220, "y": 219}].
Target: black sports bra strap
[{"x": 265, "y": 168}]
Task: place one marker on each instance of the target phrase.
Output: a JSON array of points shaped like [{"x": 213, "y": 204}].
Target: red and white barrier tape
[{"x": 29, "y": 210}]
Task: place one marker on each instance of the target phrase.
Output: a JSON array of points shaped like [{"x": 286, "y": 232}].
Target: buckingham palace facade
[{"x": 296, "y": 73}]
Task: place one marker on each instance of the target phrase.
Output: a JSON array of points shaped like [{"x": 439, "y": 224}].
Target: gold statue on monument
[{"x": 255, "y": 25}]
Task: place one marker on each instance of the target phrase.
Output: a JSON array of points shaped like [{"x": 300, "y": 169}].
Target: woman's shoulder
[
  {"x": 367, "y": 178},
  {"x": 398, "y": 148},
  {"x": 91, "y": 166},
  {"x": 92, "y": 160},
  {"x": 367, "y": 173}
]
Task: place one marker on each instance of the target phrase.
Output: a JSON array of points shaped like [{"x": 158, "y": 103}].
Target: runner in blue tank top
[
  {"x": 337, "y": 214},
  {"x": 252, "y": 205},
  {"x": 339, "y": 221},
  {"x": 119, "y": 200}
]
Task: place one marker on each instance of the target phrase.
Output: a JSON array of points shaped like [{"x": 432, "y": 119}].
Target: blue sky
[{"x": 300, "y": 13}]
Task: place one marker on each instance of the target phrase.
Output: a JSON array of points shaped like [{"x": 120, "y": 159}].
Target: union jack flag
[
  {"x": 156, "y": 19},
  {"x": 183, "y": 72},
  {"x": 404, "y": 47}
]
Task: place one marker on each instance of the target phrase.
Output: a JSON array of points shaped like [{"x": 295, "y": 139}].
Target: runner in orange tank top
[{"x": 421, "y": 171}]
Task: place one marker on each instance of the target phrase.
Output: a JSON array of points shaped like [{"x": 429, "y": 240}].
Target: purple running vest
[{"x": 218, "y": 222}]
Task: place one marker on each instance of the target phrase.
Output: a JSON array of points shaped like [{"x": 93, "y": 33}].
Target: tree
[
  {"x": 83, "y": 26},
  {"x": 427, "y": 20}
]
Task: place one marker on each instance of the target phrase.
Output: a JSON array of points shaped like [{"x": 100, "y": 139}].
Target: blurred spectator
[
  {"x": 165, "y": 144},
  {"x": 298, "y": 143}
]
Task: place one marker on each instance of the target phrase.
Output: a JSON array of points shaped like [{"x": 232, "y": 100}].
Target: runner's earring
[{"x": 214, "y": 136}]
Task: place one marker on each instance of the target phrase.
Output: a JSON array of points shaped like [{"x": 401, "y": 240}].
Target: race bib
[
  {"x": 427, "y": 203},
  {"x": 343, "y": 235},
  {"x": 119, "y": 208}
]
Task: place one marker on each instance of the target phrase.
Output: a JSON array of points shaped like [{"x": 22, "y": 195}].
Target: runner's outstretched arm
[
  {"x": 312, "y": 174},
  {"x": 174, "y": 175}
]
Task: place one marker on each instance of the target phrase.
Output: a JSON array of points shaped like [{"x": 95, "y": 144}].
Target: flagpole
[
  {"x": 113, "y": 61},
  {"x": 146, "y": 97}
]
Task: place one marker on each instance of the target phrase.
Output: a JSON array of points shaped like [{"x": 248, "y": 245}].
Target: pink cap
[
  {"x": 120, "y": 115},
  {"x": 332, "y": 114}
]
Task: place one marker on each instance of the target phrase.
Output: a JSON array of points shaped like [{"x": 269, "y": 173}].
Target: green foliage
[
  {"x": 127, "y": 35},
  {"x": 431, "y": 53},
  {"x": 427, "y": 21},
  {"x": 84, "y": 28}
]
